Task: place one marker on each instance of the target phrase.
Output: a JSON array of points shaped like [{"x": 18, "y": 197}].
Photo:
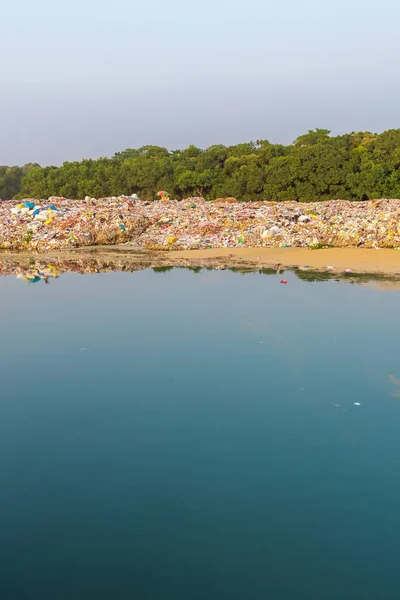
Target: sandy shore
[{"x": 358, "y": 260}]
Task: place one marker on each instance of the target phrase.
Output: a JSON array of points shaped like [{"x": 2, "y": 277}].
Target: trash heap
[{"x": 60, "y": 223}]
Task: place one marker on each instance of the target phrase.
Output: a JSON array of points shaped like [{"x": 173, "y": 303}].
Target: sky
[{"x": 87, "y": 78}]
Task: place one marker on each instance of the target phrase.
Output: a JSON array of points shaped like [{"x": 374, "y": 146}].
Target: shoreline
[{"x": 358, "y": 260}]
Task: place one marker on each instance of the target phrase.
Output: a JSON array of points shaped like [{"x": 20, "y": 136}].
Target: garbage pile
[{"x": 60, "y": 223}]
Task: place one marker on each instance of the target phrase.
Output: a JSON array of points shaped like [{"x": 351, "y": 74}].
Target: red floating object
[{"x": 284, "y": 281}]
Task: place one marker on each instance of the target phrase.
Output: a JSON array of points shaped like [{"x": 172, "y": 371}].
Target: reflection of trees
[
  {"x": 45, "y": 269},
  {"x": 312, "y": 276},
  {"x": 162, "y": 269},
  {"x": 267, "y": 271}
]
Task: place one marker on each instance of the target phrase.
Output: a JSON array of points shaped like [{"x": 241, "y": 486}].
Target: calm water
[{"x": 183, "y": 436}]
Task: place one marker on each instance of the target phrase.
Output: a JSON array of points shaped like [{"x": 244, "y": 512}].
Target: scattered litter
[{"x": 356, "y": 404}]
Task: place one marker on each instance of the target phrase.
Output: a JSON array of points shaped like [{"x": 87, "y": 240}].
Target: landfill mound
[{"x": 60, "y": 223}]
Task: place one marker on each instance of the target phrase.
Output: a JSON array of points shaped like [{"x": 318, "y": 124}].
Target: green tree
[{"x": 317, "y": 166}]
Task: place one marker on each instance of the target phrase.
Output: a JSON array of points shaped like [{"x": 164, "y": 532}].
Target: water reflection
[{"x": 43, "y": 269}]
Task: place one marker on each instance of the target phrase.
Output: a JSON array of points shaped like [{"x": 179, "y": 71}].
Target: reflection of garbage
[
  {"x": 45, "y": 267},
  {"x": 194, "y": 223},
  {"x": 34, "y": 275}
]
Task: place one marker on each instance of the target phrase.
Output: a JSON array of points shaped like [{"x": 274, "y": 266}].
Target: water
[{"x": 176, "y": 436}]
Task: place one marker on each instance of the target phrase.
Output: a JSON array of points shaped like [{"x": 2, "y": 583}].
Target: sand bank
[{"x": 356, "y": 259}]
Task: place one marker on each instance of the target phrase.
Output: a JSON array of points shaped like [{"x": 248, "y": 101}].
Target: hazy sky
[{"x": 86, "y": 78}]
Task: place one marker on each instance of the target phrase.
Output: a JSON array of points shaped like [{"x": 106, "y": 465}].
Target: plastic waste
[
  {"x": 195, "y": 223},
  {"x": 269, "y": 233}
]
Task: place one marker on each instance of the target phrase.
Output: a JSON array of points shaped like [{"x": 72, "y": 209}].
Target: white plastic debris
[{"x": 269, "y": 233}]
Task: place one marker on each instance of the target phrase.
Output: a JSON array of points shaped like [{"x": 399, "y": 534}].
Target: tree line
[
  {"x": 317, "y": 166},
  {"x": 11, "y": 179}
]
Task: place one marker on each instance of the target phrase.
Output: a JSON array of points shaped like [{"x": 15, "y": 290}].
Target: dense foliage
[
  {"x": 355, "y": 166},
  {"x": 11, "y": 179}
]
